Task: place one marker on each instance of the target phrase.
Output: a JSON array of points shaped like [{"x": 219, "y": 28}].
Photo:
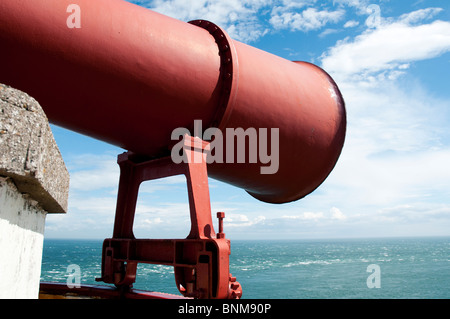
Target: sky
[{"x": 391, "y": 61}]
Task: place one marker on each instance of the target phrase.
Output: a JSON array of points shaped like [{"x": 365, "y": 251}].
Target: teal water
[{"x": 298, "y": 269}]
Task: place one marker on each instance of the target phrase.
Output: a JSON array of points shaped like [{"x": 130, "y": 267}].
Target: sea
[{"x": 379, "y": 268}]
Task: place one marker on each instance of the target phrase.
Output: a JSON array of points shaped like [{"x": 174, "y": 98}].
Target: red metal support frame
[{"x": 201, "y": 261}]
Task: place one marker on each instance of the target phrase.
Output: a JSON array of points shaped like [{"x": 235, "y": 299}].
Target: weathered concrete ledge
[
  {"x": 34, "y": 181},
  {"x": 29, "y": 154}
]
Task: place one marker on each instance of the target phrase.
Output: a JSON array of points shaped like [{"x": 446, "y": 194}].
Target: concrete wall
[
  {"x": 33, "y": 182},
  {"x": 22, "y": 223}
]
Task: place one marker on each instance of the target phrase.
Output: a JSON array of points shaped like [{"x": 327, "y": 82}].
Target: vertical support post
[
  {"x": 126, "y": 199},
  {"x": 198, "y": 189}
]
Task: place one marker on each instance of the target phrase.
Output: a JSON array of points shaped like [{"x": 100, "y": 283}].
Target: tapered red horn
[{"x": 129, "y": 76}]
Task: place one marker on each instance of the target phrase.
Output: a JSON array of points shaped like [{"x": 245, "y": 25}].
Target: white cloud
[
  {"x": 232, "y": 218},
  {"x": 396, "y": 151},
  {"x": 327, "y": 32},
  {"x": 239, "y": 18},
  {"x": 393, "y": 172},
  {"x": 351, "y": 24},
  {"x": 154, "y": 221},
  {"x": 157, "y": 219},
  {"x": 309, "y": 19},
  {"x": 249, "y": 20},
  {"x": 419, "y": 15},
  {"x": 97, "y": 205},
  {"x": 306, "y": 216},
  {"x": 388, "y": 48},
  {"x": 90, "y": 172},
  {"x": 337, "y": 214},
  {"x": 334, "y": 214},
  {"x": 177, "y": 182},
  {"x": 170, "y": 210},
  {"x": 242, "y": 221},
  {"x": 359, "y": 4}
]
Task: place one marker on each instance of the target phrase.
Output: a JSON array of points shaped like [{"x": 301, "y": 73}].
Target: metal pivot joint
[{"x": 201, "y": 261}]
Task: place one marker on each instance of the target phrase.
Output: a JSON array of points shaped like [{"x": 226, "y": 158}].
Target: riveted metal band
[{"x": 228, "y": 66}]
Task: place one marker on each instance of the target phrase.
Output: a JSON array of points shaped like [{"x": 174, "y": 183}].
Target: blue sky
[{"x": 391, "y": 60}]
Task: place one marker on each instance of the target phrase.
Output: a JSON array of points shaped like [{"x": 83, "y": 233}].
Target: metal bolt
[
  {"x": 220, "y": 216},
  {"x": 234, "y": 286}
]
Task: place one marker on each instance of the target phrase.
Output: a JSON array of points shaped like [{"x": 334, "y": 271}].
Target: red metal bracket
[{"x": 201, "y": 261}]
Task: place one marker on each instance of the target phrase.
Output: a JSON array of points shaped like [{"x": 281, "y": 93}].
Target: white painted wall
[{"x": 22, "y": 223}]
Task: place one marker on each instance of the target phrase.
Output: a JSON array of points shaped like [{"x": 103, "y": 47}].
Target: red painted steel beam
[
  {"x": 130, "y": 76},
  {"x": 55, "y": 290}
]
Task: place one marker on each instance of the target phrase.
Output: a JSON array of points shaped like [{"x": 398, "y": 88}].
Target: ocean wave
[{"x": 308, "y": 262}]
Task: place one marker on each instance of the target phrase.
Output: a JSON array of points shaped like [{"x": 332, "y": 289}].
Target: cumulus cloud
[
  {"x": 249, "y": 20},
  {"x": 306, "y": 20},
  {"x": 239, "y": 18},
  {"x": 419, "y": 15},
  {"x": 102, "y": 172},
  {"x": 306, "y": 216},
  {"x": 397, "y": 147},
  {"x": 359, "y": 4},
  {"x": 171, "y": 183},
  {"x": 334, "y": 214},
  {"x": 390, "y": 47},
  {"x": 327, "y": 32},
  {"x": 351, "y": 24},
  {"x": 337, "y": 214},
  {"x": 383, "y": 116},
  {"x": 239, "y": 220}
]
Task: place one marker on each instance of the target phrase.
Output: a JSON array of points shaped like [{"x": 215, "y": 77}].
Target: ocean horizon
[{"x": 345, "y": 268}]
